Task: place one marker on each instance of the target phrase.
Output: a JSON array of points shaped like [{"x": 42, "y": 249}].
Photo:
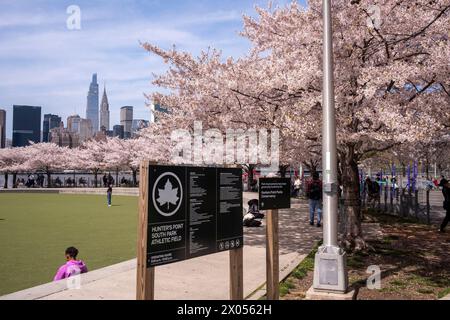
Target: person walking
[
  {"x": 297, "y": 186},
  {"x": 109, "y": 195},
  {"x": 314, "y": 194},
  {"x": 442, "y": 184},
  {"x": 446, "y": 192}
]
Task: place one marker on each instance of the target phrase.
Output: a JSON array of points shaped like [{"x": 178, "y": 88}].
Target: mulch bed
[{"x": 414, "y": 260}]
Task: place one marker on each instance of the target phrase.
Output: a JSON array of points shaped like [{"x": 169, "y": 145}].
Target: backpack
[{"x": 315, "y": 190}]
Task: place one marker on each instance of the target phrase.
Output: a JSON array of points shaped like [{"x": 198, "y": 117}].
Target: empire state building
[
  {"x": 104, "y": 112},
  {"x": 92, "y": 104}
]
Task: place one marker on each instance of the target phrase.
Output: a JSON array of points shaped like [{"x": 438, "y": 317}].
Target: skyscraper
[
  {"x": 118, "y": 131},
  {"x": 126, "y": 120},
  {"x": 83, "y": 127},
  {"x": 92, "y": 104},
  {"x": 157, "y": 110},
  {"x": 50, "y": 121},
  {"x": 139, "y": 124},
  {"x": 63, "y": 137},
  {"x": 2, "y": 129},
  {"x": 26, "y": 125},
  {"x": 104, "y": 112}
]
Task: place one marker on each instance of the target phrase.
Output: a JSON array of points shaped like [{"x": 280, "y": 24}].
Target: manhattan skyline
[{"x": 46, "y": 64}]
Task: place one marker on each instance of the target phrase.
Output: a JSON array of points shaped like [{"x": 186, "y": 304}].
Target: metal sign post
[{"x": 330, "y": 272}]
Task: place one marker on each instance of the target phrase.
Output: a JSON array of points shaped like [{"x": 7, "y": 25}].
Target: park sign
[
  {"x": 274, "y": 193},
  {"x": 192, "y": 212}
]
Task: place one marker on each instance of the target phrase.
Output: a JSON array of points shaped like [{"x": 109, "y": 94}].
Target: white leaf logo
[{"x": 168, "y": 195}]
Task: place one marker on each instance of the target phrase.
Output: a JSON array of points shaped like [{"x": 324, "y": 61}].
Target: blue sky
[{"x": 43, "y": 63}]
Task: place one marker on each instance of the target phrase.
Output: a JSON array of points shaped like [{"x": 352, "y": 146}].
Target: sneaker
[
  {"x": 319, "y": 225},
  {"x": 311, "y": 223}
]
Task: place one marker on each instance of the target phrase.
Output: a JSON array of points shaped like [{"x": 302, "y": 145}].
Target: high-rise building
[
  {"x": 126, "y": 120},
  {"x": 63, "y": 137},
  {"x": 26, "y": 125},
  {"x": 118, "y": 131},
  {"x": 92, "y": 104},
  {"x": 2, "y": 129},
  {"x": 86, "y": 130},
  {"x": 73, "y": 123},
  {"x": 50, "y": 121},
  {"x": 104, "y": 112},
  {"x": 157, "y": 110},
  {"x": 83, "y": 127},
  {"x": 139, "y": 124}
]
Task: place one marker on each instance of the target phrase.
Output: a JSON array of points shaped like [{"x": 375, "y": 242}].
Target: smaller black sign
[{"x": 274, "y": 193}]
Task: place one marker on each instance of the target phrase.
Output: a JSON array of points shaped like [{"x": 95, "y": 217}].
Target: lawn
[{"x": 35, "y": 230}]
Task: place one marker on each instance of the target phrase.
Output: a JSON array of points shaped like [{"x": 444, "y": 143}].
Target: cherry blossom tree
[
  {"x": 92, "y": 156},
  {"x": 47, "y": 157},
  {"x": 391, "y": 79},
  {"x": 12, "y": 160}
]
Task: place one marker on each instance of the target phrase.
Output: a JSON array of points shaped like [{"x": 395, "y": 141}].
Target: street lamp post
[{"x": 330, "y": 271}]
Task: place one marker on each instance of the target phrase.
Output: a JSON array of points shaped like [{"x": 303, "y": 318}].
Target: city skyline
[
  {"x": 95, "y": 111},
  {"x": 108, "y": 43}
]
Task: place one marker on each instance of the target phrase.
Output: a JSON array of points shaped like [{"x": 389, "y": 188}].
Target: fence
[{"x": 404, "y": 202}]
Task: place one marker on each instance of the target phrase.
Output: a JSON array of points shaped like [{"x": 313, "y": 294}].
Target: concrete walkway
[{"x": 203, "y": 278}]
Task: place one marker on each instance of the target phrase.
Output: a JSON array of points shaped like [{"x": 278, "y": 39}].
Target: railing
[{"x": 403, "y": 202}]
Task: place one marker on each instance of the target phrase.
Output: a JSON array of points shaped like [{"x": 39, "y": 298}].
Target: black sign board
[
  {"x": 274, "y": 193},
  {"x": 192, "y": 212}
]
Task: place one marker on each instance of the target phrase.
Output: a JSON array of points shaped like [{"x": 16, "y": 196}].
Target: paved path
[{"x": 201, "y": 278}]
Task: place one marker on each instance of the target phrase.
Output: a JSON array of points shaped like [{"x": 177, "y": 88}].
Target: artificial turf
[{"x": 35, "y": 230}]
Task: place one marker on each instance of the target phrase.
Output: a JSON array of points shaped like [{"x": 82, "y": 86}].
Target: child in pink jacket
[{"x": 72, "y": 267}]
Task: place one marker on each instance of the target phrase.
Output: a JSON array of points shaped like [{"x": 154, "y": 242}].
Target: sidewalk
[{"x": 201, "y": 278}]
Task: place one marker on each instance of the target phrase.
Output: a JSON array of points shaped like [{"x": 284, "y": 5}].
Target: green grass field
[{"x": 35, "y": 230}]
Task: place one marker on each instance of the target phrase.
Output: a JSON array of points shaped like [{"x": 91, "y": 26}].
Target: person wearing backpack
[
  {"x": 446, "y": 205},
  {"x": 314, "y": 194}
]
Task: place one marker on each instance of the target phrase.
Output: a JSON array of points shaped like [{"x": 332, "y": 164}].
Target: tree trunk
[
  {"x": 117, "y": 177},
  {"x": 283, "y": 170},
  {"x": 6, "y": 181},
  {"x": 134, "y": 177},
  {"x": 14, "y": 180},
  {"x": 95, "y": 177},
  {"x": 352, "y": 233},
  {"x": 311, "y": 166},
  {"x": 49, "y": 180},
  {"x": 250, "y": 168}
]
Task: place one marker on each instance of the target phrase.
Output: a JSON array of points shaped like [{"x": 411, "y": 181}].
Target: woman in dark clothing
[
  {"x": 446, "y": 192},
  {"x": 109, "y": 195}
]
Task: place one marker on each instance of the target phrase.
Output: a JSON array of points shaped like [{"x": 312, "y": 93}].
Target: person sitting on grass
[{"x": 72, "y": 267}]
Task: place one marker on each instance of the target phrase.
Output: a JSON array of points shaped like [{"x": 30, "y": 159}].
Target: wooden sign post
[
  {"x": 145, "y": 281},
  {"x": 274, "y": 194},
  {"x": 237, "y": 274},
  {"x": 185, "y": 213},
  {"x": 272, "y": 256}
]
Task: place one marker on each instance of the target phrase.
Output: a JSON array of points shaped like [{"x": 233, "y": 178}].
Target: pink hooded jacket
[{"x": 71, "y": 268}]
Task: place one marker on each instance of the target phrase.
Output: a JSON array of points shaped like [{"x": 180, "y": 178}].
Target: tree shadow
[{"x": 295, "y": 233}]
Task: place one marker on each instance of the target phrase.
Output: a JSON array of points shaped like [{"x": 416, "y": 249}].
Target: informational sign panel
[
  {"x": 192, "y": 212},
  {"x": 274, "y": 193}
]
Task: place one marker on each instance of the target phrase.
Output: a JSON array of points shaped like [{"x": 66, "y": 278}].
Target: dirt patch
[{"x": 414, "y": 260}]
